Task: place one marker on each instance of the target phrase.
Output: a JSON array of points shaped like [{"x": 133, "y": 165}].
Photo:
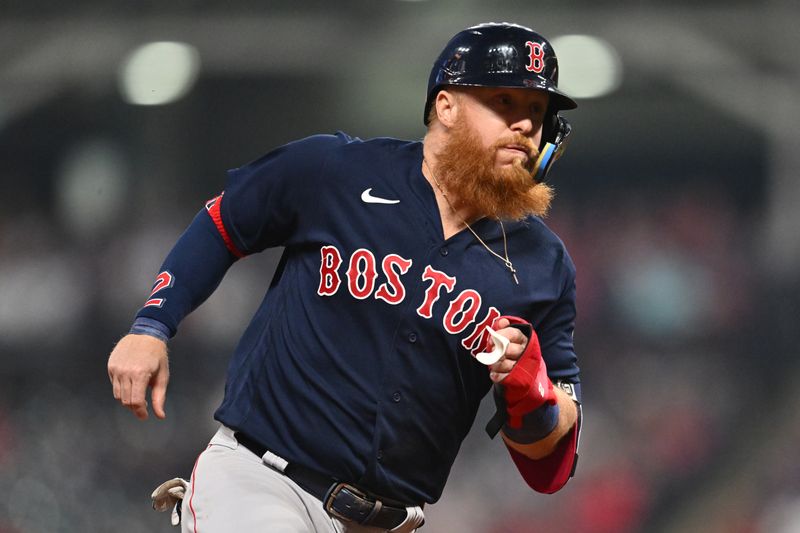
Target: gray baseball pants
[{"x": 233, "y": 491}]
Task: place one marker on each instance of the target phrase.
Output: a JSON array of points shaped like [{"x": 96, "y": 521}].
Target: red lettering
[
  {"x": 393, "y": 291},
  {"x": 479, "y": 336},
  {"x": 329, "y": 279},
  {"x": 165, "y": 280},
  {"x": 362, "y": 268},
  {"x": 536, "y": 57},
  {"x": 439, "y": 279},
  {"x": 466, "y": 305}
]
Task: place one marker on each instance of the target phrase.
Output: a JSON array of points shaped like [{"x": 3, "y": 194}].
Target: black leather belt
[{"x": 340, "y": 500}]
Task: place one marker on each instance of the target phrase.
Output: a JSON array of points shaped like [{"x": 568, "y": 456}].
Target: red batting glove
[{"x": 527, "y": 387}]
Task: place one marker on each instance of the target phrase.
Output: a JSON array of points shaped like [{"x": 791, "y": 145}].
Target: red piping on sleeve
[{"x": 213, "y": 208}]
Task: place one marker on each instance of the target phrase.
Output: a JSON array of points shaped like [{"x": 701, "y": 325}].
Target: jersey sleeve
[
  {"x": 190, "y": 273},
  {"x": 555, "y": 332},
  {"x": 258, "y": 209},
  {"x": 262, "y": 201}
]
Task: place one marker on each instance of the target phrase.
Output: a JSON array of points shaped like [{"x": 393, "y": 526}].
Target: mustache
[
  {"x": 521, "y": 142},
  {"x": 518, "y": 141}
]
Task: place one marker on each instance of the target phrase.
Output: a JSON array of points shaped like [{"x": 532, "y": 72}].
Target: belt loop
[
  {"x": 275, "y": 461},
  {"x": 415, "y": 519},
  {"x": 375, "y": 510}
]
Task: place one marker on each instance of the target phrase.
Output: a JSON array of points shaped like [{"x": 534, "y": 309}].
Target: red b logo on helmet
[{"x": 535, "y": 58}]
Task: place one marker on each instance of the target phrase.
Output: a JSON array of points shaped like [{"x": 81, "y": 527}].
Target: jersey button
[
  {"x": 396, "y": 397},
  {"x": 444, "y": 251},
  {"x": 412, "y": 337},
  {"x": 379, "y": 455}
]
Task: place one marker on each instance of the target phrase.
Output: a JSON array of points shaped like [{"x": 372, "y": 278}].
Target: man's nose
[{"x": 523, "y": 125}]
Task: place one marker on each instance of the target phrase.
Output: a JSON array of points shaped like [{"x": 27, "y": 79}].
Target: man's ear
[{"x": 448, "y": 105}]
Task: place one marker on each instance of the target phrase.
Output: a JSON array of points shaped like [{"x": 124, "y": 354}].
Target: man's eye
[{"x": 537, "y": 112}]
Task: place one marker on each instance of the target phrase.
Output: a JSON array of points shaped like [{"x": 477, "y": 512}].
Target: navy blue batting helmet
[{"x": 498, "y": 55}]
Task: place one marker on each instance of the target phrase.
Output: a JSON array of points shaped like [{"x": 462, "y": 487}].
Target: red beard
[{"x": 469, "y": 175}]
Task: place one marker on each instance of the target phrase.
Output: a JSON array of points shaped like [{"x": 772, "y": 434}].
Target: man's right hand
[{"x": 138, "y": 362}]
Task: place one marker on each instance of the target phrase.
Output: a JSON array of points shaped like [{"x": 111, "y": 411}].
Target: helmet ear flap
[
  {"x": 555, "y": 137},
  {"x": 549, "y": 127}
]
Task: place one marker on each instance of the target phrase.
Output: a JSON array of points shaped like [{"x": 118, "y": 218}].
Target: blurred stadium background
[{"x": 679, "y": 201}]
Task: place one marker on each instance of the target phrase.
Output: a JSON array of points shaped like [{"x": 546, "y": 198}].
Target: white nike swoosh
[{"x": 367, "y": 198}]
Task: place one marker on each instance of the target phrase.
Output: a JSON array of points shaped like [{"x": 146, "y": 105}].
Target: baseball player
[{"x": 416, "y": 278}]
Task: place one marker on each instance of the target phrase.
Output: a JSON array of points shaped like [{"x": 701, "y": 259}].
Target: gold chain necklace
[{"x": 506, "y": 261}]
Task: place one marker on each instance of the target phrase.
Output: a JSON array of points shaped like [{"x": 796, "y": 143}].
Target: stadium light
[
  {"x": 589, "y": 67},
  {"x": 158, "y": 73}
]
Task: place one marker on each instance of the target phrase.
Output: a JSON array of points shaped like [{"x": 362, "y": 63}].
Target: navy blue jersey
[{"x": 359, "y": 360}]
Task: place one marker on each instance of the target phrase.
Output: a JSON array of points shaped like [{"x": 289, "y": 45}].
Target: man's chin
[{"x": 514, "y": 173}]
